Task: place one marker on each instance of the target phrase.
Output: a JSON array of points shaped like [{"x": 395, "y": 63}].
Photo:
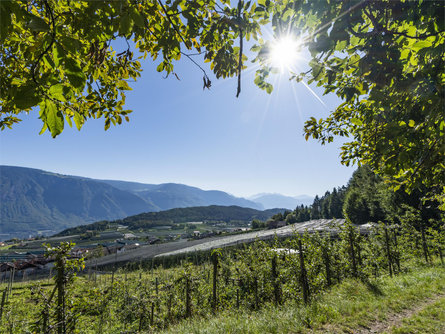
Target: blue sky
[{"x": 209, "y": 139}]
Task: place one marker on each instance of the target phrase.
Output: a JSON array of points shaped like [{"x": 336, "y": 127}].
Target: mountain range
[
  {"x": 270, "y": 201},
  {"x": 35, "y": 201}
]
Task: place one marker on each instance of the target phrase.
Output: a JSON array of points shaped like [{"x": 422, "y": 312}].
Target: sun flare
[{"x": 285, "y": 52}]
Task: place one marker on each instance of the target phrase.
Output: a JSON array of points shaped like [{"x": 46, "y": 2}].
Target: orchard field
[{"x": 245, "y": 278}]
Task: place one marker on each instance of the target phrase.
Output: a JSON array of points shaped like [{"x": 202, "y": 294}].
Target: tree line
[{"x": 366, "y": 198}]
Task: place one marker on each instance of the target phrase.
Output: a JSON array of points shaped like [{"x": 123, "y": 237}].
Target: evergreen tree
[
  {"x": 324, "y": 204},
  {"x": 316, "y": 208},
  {"x": 335, "y": 205}
]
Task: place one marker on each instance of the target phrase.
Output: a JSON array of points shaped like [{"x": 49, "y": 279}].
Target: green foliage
[
  {"x": 385, "y": 60},
  {"x": 60, "y": 56},
  {"x": 355, "y": 207},
  {"x": 257, "y": 224},
  {"x": 369, "y": 199}
]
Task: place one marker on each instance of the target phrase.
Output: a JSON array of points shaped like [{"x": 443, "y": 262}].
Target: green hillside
[{"x": 212, "y": 213}]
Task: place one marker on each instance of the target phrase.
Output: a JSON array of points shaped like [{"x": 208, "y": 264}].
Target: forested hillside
[{"x": 213, "y": 213}]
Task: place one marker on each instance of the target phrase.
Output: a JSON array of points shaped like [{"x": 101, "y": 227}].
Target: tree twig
[
  {"x": 53, "y": 38},
  {"x": 240, "y": 58},
  {"x": 171, "y": 22}
]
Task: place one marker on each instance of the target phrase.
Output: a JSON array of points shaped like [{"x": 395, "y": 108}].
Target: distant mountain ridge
[
  {"x": 270, "y": 201},
  {"x": 173, "y": 195},
  {"x": 33, "y": 200}
]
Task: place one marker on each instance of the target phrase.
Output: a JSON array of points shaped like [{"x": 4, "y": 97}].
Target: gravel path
[{"x": 395, "y": 320}]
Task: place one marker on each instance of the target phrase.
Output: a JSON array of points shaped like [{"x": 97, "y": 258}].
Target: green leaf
[
  {"x": 58, "y": 53},
  {"x": 68, "y": 120},
  {"x": 44, "y": 127},
  {"x": 138, "y": 19},
  {"x": 123, "y": 85},
  {"x": 126, "y": 24},
  {"x": 57, "y": 91},
  {"x": 5, "y": 19},
  {"x": 356, "y": 121},
  {"x": 421, "y": 44},
  {"x": 38, "y": 24},
  {"x": 78, "y": 120},
  {"x": 405, "y": 53},
  {"x": 75, "y": 74},
  {"x": 411, "y": 123},
  {"x": 71, "y": 44},
  {"x": 26, "y": 97},
  {"x": 54, "y": 118}
]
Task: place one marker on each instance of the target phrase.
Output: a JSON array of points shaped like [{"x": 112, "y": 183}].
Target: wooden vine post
[
  {"x": 276, "y": 287},
  {"x": 327, "y": 264},
  {"x": 352, "y": 250},
  {"x": 255, "y": 282},
  {"x": 60, "y": 283},
  {"x": 152, "y": 314},
  {"x": 424, "y": 244},
  {"x": 388, "y": 251},
  {"x": 396, "y": 250},
  {"x": 169, "y": 304},
  {"x": 303, "y": 274},
  {"x": 2, "y": 305},
  {"x": 359, "y": 251},
  {"x": 440, "y": 254},
  {"x": 188, "y": 308},
  {"x": 65, "y": 268},
  {"x": 215, "y": 277}
]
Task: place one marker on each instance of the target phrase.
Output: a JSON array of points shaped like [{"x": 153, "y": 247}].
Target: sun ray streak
[
  {"x": 313, "y": 93},
  {"x": 297, "y": 103}
]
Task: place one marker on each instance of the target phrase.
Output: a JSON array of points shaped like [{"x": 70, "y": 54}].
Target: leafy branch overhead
[
  {"x": 385, "y": 60},
  {"x": 60, "y": 56}
]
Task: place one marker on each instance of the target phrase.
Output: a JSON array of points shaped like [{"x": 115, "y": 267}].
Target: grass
[
  {"x": 345, "y": 308},
  {"x": 429, "y": 320}
]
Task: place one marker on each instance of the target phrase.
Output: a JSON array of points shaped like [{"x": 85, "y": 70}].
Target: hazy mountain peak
[{"x": 274, "y": 200}]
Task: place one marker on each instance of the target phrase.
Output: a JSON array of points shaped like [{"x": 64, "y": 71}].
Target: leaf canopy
[
  {"x": 385, "y": 60},
  {"x": 57, "y": 55}
]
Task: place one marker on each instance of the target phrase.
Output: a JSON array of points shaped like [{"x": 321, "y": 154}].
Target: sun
[{"x": 285, "y": 52}]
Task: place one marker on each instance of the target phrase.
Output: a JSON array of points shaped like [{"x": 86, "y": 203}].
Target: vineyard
[{"x": 246, "y": 277}]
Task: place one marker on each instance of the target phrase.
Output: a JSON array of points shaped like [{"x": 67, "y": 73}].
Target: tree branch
[
  {"x": 171, "y": 22},
  {"x": 240, "y": 58},
  {"x": 53, "y": 38}
]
